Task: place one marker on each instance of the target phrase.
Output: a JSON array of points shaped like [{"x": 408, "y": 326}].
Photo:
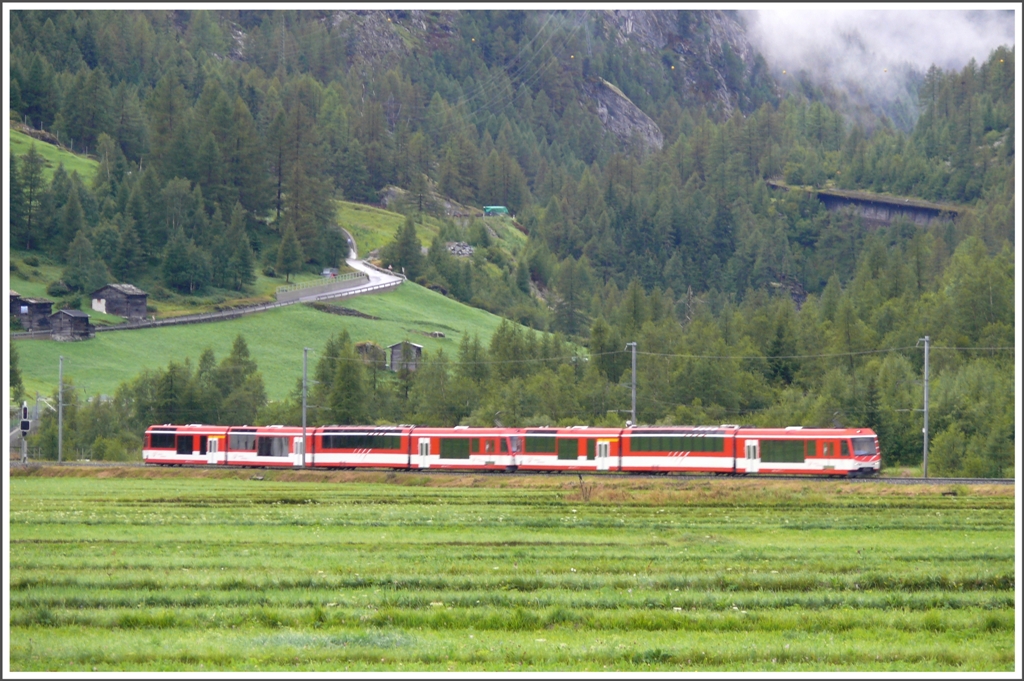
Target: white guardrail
[{"x": 320, "y": 282}]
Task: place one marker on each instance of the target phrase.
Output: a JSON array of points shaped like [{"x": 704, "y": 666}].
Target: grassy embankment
[
  {"x": 275, "y": 340},
  {"x": 210, "y": 570}
]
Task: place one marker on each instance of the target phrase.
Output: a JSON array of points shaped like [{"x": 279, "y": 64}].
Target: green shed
[{"x": 495, "y": 210}]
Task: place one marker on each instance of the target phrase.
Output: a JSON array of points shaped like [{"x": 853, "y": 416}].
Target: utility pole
[
  {"x": 633, "y": 410},
  {"x": 305, "y": 352},
  {"x": 926, "y": 340},
  {"x": 60, "y": 411}
]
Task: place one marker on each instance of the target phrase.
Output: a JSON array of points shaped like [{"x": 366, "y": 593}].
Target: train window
[
  {"x": 782, "y": 451},
  {"x": 504, "y": 445},
  {"x": 541, "y": 445},
  {"x": 272, "y": 446},
  {"x": 161, "y": 440},
  {"x": 474, "y": 445},
  {"x": 454, "y": 448},
  {"x": 863, "y": 446},
  {"x": 568, "y": 449},
  {"x": 827, "y": 449},
  {"x": 362, "y": 441},
  {"x": 488, "y": 446},
  {"x": 242, "y": 442},
  {"x": 184, "y": 444},
  {"x": 591, "y": 446}
]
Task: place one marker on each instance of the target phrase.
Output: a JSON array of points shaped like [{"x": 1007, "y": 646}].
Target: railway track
[{"x": 589, "y": 474}]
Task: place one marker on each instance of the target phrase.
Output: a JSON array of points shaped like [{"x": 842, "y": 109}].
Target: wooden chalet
[
  {"x": 405, "y": 355},
  {"x": 123, "y": 300},
  {"x": 34, "y": 313},
  {"x": 70, "y": 325}
]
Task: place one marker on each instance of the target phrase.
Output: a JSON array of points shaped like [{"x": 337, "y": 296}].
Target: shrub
[
  {"x": 58, "y": 288},
  {"x": 70, "y": 302},
  {"x": 31, "y": 261},
  {"x": 269, "y": 271}
]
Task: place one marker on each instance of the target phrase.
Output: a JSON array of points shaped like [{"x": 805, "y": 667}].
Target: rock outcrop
[{"x": 622, "y": 117}]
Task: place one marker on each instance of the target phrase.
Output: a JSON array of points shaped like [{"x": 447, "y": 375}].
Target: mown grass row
[
  {"x": 519, "y": 618},
  {"x": 603, "y": 601},
  {"x": 379, "y": 650},
  {"x": 768, "y": 583}
]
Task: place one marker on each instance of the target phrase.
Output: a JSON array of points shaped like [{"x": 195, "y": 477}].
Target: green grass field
[
  {"x": 275, "y": 340},
  {"x": 374, "y": 228},
  {"x": 54, "y": 156},
  {"x": 154, "y": 570}
]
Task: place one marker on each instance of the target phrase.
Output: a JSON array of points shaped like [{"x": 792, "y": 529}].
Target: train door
[
  {"x": 603, "y": 450},
  {"x": 298, "y": 451},
  {"x": 211, "y": 450},
  {"x": 424, "y": 452},
  {"x": 753, "y": 456}
]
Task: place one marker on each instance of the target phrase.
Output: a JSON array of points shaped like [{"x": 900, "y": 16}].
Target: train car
[
  {"x": 703, "y": 449},
  {"x": 265, "y": 446},
  {"x": 578, "y": 448},
  {"x": 465, "y": 448},
  {"x": 814, "y": 451},
  {"x": 194, "y": 444},
  {"x": 361, "y": 447}
]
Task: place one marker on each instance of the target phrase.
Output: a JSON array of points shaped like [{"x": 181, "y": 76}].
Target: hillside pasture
[
  {"x": 85, "y": 166},
  {"x": 181, "y": 570},
  {"x": 275, "y": 339}
]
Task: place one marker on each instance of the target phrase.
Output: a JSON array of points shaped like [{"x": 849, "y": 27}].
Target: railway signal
[{"x": 26, "y": 425}]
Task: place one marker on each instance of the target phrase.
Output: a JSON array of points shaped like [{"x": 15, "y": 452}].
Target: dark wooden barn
[
  {"x": 34, "y": 313},
  {"x": 69, "y": 325},
  {"x": 123, "y": 300},
  {"x": 405, "y": 355}
]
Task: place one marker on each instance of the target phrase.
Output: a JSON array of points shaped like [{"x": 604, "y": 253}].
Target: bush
[
  {"x": 31, "y": 261},
  {"x": 58, "y": 288},
  {"x": 70, "y": 302},
  {"x": 269, "y": 271}
]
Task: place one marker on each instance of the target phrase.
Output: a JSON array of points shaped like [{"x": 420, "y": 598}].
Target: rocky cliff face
[
  {"x": 700, "y": 53},
  {"x": 709, "y": 48},
  {"x": 621, "y": 116}
]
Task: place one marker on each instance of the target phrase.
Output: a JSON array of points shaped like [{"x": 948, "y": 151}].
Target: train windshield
[{"x": 863, "y": 446}]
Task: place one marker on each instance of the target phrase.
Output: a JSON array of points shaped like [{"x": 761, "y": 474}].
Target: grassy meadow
[
  {"x": 275, "y": 340},
  {"x": 54, "y": 156},
  {"x": 213, "y": 570}
]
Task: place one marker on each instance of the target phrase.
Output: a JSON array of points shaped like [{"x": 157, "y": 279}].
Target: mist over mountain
[{"x": 873, "y": 60}]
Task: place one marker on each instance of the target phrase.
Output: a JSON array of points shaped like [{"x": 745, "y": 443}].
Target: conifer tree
[
  {"x": 242, "y": 262},
  {"x": 129, "y": 259},
  {"x": 71, "y": 221},
  {"x": 84, "y": 270},
  {"x": 347, "y": 397},
  {"x": 16, "y": 194},
  {"x": 289, "y": 253},
  {"x": 32, "y": 187}
]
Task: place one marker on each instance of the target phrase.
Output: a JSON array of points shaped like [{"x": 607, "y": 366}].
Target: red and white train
[{"x": 727, "y": 449}]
